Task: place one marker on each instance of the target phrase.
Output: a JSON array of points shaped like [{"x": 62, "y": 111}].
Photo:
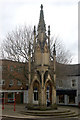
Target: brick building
[{"x": 13, "y": 80}]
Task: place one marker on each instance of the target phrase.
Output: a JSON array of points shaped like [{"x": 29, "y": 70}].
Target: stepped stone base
[{"x": 59, "y": 113}]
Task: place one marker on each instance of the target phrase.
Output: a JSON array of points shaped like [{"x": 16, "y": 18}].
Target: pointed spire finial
[
  {"x": 49, "y": 30},
  {"x": 41, "y": 25},
  {"x": 41, "y": 6},
  {"x": 34, "y": 30},
  {"x": 54, "y": 45},
  {"x": 54, "y": 51}
]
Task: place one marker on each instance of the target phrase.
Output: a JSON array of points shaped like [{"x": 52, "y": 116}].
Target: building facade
[
  {"x": 13, "y": 82},
  {"x": 41, "y": 79},
  {"x": 68, "y": 84}
]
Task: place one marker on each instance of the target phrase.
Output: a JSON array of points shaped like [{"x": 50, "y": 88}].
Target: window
[
  {"x": 4, "y": 68},
  {"x": 48, "y": 87},
  {"x": 19, "y": 82},
  {"x": 73, "y": 83},
  {"x": 0, "y": 68},
  {"x": 71, "y": 99},
  {"x": 61, "y": 98},
  {"x": 10, "y": 97},
  {"x": 11, "y": 68},
  {"x": 19, "y": 69},
  {"x": 60, "y": 83},
  {"x": 35, "y": 94},
  {"x": 47, "y": 92},
  {"x": 27, "y": 87},
  {"x": 2, "y": 82},
  {"x": 11, "y": 82}
]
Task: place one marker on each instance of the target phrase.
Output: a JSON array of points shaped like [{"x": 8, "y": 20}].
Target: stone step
[
  {"x": 68, "y": 116},
  {"x": 50, "y": 114},
  {"x": 47, "y": 112},
  {"x": 71, "y": 115},
  {"x": 60, "y": 113}
]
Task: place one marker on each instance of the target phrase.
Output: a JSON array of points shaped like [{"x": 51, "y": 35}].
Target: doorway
[
  {"x": 21, "y": 97},
  {"x": 48, "y": 93}
]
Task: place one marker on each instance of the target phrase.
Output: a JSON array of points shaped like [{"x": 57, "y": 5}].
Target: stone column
[
  {"x": 39, "y": 98},
  {"x": 29, "y": 69},
  {"x": 53, "y": 95},
  {"x": 42, "y": 77},
  {"x": 54, "y": 87},
  {"x": 30, "y": 95},
  {"x": 43, "y": 97},
  {"x": 29, "y": 63}
]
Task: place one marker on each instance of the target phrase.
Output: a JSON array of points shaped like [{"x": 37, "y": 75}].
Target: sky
[{"x": 61, "y": 15}]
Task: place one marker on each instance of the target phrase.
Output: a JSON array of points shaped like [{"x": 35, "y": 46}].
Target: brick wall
[{"x": 17, "y": 74}]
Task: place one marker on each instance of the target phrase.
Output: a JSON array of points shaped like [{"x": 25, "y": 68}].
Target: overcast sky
[{"x": 61, "y": 15}]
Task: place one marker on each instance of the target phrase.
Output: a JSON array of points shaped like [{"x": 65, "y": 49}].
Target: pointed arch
[
  {"x": 35, "y": 79},
  {"x": 47, "y": 77}
]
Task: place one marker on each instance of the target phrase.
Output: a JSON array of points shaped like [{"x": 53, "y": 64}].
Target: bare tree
[
  {"x": 16, "y": 46},
  {"x": 62, "y": 54}
]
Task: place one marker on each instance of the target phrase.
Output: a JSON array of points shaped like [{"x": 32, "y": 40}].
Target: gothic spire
[{"x": 41, "y": 25}]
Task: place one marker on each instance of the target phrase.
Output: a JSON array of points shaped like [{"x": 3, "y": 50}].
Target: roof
[
  {"x": 67, "y": 69},
  {"x": 11, "y": 61},
  {"x": 61, "y": 69}
]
